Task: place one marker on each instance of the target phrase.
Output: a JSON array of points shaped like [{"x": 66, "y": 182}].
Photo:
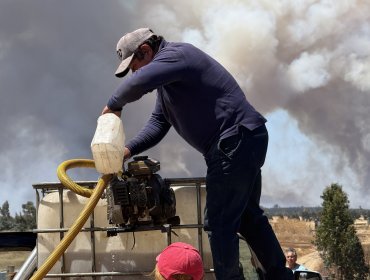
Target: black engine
[{"x": 141, "y": 197}]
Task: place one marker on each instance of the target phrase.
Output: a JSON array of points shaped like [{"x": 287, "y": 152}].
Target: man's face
[
  {"x": 136, "y": 63},
  {"x": 291, "y": 258}
]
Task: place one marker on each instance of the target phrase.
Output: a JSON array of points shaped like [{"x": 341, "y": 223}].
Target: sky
[{"x": 304, "y": 64}]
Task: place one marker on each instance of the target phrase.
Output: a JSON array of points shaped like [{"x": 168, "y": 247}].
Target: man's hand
[
  {"x": 107, "y": 110},
  {"x": 126, "y": 154}
]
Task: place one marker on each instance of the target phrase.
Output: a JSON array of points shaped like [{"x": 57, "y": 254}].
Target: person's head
[
  {"x": 179, "y": 261},
  {"x": 136, "y": 49},
  {"x": 291, "y": 257}
]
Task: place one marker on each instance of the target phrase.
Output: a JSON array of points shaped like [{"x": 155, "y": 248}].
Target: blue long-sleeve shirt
[{"x": 195, "y": 94}]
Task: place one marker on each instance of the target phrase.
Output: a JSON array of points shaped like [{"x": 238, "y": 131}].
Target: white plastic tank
[
  {"x": 126, "y": 252},
  {"x": 107, "y": 145}
]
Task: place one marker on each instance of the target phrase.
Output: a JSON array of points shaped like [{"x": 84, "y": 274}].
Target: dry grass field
[
  {"x": 290, "y": 232},
  {"x": 16, "y": 258},
  {"x": 301, "y": 234}
]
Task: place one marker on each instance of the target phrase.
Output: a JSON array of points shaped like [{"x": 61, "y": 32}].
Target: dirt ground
[{"x": 15, "y": 258}]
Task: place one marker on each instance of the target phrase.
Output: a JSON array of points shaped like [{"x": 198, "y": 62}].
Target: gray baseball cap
[{"x": 126, "y": 47}]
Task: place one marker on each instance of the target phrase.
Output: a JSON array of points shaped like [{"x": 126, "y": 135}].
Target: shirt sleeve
[
  {"x": 167, "y": 67},
  {"x": 151, "y": 134}
]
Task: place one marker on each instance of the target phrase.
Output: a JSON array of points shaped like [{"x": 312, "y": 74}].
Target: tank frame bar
[{"x": 42, "y": 189}]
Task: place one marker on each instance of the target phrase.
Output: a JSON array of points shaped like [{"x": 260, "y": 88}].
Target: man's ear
[{"x": 146, "y": 50}]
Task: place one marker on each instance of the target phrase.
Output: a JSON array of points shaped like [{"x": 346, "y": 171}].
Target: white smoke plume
[
  {"x": 305, "y": 64},
  {"x": 310, "y": 59}
]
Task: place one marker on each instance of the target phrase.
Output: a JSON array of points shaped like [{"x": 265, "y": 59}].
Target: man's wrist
[{"x": 113, "y": 107}]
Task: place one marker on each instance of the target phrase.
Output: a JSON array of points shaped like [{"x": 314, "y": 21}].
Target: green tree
[
  {"x": 27, "y": 219},
  {"x": 6, "y": 220},
  {"x": 336, "y": 237}
]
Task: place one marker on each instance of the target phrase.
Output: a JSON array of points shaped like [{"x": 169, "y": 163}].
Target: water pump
[{"x": 140, "y": 196}]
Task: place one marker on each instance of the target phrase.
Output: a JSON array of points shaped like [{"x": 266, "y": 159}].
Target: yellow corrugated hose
[{"x": 94, "y": 195}]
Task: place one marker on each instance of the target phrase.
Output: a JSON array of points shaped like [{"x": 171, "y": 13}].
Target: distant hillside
[
  {"x": 309, "y": 213},
  {"x": 300, "y": 235}
]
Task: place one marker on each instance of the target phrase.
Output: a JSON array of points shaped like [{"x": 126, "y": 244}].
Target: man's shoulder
[
  {"x": 179, "y": 49},
  {"x": 179, "y": 46},
  {"x": 300, "y": 267}
]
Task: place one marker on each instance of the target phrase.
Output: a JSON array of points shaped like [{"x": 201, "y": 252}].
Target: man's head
[
  {"x": 180, "y": 261},
  {"x": 134, "y": 50},
  {"x": 291, "y": 256}
]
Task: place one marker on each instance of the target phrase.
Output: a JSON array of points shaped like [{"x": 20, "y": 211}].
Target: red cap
[{"x": 180, "y": 258}]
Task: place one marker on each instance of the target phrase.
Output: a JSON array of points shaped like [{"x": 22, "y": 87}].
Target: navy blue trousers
[{"x": 233, "y": 186}]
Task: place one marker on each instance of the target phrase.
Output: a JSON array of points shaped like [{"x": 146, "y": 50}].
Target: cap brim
[{"x": 123, "y": 69}]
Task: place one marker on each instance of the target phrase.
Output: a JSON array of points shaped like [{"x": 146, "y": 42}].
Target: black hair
[{"x": 153, "y": 42}]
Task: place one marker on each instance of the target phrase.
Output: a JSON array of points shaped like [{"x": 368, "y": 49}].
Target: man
[
  {"x": 291, "y": 260},
  {"x": 206, "y": 106}
]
